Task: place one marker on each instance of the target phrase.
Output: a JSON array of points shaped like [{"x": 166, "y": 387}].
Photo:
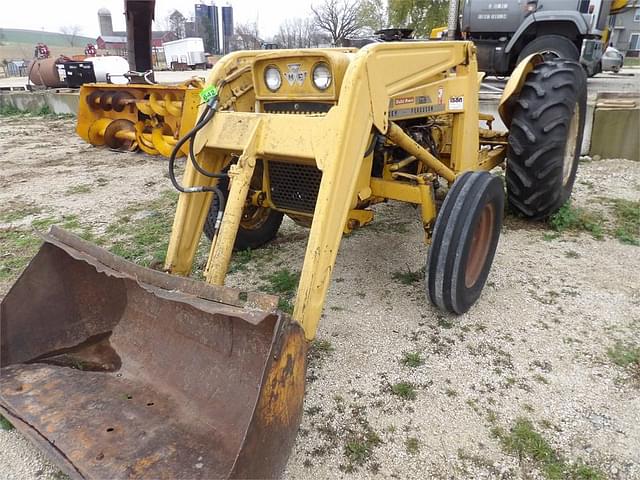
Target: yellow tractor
[{"x": 119, "y": 371}]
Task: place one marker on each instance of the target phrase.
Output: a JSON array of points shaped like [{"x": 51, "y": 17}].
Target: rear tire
[
  {"x": 545, "y": 138},
  {"x": 465, "y": 237},
  {"x": 551, "y": 47}
]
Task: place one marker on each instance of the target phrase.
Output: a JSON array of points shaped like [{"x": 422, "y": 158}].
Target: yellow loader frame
[{"x": 378, "y": 79}]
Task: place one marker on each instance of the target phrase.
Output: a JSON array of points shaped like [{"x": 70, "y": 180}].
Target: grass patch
[
  {"x": 527, "y": 444},
  {"x": 77, "y": 189},
  {"x": 570, "y": 218},
  {"x": 283, "y": 283},
  {"x": 144, "y": 240},
  {"x": 19, "y": 213},
  {"x": 412, "y": 444},
  {"x": 626, "y": 355},
  {"x": 412, "y": 359},
  {"x": 358, "y": 448},
  {"x": 9, "y": 110},
  {"x": 5, "y": 424},
  {"x": 319, "y": 351},
  {"x": 18, "y": 246},
  {"x": 407, "y": 277},
  {"x": 43, "y": 111},
  {"x": 627, "y": 216},
  {"x": 404, "y": 390}
]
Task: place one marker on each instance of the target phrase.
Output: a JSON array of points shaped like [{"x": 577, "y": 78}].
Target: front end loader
[{"x": 119, "y": 371}]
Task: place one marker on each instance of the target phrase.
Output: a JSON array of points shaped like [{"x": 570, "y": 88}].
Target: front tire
[
  {"x": 545, "y": 138},
  {"x": 465, "y": 237},
  {"x": 258, "y": 225}
]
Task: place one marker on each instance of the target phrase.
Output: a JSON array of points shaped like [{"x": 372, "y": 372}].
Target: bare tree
[
  {"x": 246, "y": 37},
  {"x": 299, "y": 33},
  {"x": 71, "y": 32},
  {"x": 176, "y": 24},
  {"x": 339, "y": 18}
]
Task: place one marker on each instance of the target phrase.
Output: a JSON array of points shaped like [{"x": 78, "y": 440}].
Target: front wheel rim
[
  {"x": 480, "y": 245},
  {"x": 254, "y": 217}
]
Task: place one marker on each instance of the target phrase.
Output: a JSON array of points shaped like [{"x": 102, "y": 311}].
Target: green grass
[
  {"x": 284, "y": 284},
  {"x": 412, "y": 359},
  {"x": 404, "y": 390},
  {"x": 20, "y": 246},
  {"x": 407, "y": 277},
  {"x": 359, "y": 446},
  {"x": 144, "y": 241},
  {"x": 283, "y": 281},
  {"x": 9, "y": 111},
  {"x": 19, "y": 213},
  {"x": 5, "y": 424},
  {"x": 570, "y": 218},
  {"x": 631, "y": 62},
  {"x": 625, "y": 355},
  {"x": 523, "y": 441},
  {"x": 43, "y": 111},
  {"x": 76, "y": 189},
  {"x": 627, "y": 217},
  {"x": 412, "y": 444}
]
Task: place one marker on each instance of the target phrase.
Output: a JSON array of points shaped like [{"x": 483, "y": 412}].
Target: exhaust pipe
[{"x": 452, "y": 24}]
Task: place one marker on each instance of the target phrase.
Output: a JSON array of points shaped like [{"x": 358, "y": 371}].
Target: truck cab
[{"x": 507, "y": 31}]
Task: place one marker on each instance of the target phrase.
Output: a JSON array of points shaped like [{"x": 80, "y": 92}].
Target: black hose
[{"x": 206, "y": 116}]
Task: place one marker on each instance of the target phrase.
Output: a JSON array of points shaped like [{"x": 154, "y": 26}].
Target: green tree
[
  {"x": 421, "y": 15},
  {"x": 373, "y": 14}
]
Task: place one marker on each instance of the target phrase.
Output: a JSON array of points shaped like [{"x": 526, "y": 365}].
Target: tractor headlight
[
  {"x": 272, "y": 78},
  {"x": 322, "y": 76}
]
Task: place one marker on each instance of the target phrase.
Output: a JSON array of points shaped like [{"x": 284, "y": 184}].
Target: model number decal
[
  {"x": 456, "y": 103},
  {"x": 403, "y": 100}
]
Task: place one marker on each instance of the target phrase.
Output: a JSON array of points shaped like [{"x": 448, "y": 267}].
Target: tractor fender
[
  {"x": 542, "y": 17},
  {"x": 514, "y": 85}
]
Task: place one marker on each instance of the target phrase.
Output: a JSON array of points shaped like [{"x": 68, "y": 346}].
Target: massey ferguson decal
[{"x": 294, "y": 76}]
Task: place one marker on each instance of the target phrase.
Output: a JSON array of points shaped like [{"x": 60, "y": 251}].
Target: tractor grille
[
  {"x": 296, "y": 107},
  {"x": 294, "y": 187}
]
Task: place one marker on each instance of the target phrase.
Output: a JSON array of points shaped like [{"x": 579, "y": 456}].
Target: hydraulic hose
[{"x": 205, "y": 118}]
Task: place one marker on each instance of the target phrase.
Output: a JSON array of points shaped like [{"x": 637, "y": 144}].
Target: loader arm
[{"x": 335, "y": 142}]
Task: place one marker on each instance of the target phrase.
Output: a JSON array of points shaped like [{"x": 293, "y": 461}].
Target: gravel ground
[{"x": 534, "y": 347}]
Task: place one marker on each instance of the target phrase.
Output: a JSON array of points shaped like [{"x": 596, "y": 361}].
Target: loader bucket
[{"x": 118, "y": 371}]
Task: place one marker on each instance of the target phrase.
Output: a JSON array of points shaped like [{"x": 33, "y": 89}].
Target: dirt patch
[{"x": 538, "y": 379}]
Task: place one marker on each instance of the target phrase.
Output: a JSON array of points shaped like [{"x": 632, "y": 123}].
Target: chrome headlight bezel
[
  {"x": 271, "y": 70},
  {"x": 324, "y": 69}
]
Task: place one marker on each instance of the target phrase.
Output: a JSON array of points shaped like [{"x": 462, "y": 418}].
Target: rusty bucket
[{"x": 118, "y": 371}]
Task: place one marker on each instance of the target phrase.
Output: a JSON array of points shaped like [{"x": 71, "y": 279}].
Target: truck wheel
[
  {"x": 545, "y": 138},
  {"x": 258, "y": 225},
  {"x": 551, "y": 47},
  {"x": 464, "y": 241}
]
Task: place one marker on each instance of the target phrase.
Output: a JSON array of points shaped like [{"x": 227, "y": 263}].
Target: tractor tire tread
[{"x": 538, "y": 137}]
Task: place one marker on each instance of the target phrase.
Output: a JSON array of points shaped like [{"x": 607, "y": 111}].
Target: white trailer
[{"x": 185, "y": 53}]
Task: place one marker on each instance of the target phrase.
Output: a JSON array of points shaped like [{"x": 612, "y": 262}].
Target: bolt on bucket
[{"x": 118, "y": 371}]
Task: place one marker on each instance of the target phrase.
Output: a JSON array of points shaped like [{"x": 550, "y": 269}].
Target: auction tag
[{"x": 208, "y": 93}]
